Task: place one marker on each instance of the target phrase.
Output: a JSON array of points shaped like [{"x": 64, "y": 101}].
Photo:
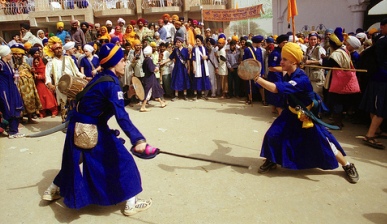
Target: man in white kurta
[
  {"x": 54, "y": 71},
  {"x": 223, "y": 71}
]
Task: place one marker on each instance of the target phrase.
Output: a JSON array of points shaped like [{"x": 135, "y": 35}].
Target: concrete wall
[{"x": 330, "y": 13}]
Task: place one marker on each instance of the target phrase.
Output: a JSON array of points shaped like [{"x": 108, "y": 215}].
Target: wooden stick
[{"x": 335, "y": 68}]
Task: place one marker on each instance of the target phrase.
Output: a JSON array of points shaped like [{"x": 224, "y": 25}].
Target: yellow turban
[
  {"x": 153, "y": 44},
  {"x": 221, "y": 40},
  {"x": 136, "y": 42},
  {"x": 372, "y": 31},
  {"x": 59, "y": 24},
  {"x": 175, "y": 17},
  {"x": 177, "y": 22},
  {"x": 27, "y": 46},
  {"x": 235, "y": 38},
  {"x": 275, "y": 37},
  {"x": 292, "y": 52},
  {"x": 18, "y": 49},
  {"x": 47, "y": 50}
]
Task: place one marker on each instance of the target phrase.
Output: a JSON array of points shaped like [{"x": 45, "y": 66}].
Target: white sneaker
[
  {"x": 141, "y": 205},
  {"x": 17, "y": 135},
  {"x": 50, "y": 195}
]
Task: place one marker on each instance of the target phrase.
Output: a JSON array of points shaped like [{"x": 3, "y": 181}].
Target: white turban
[
  {"x": 109, "y": 22},
  {"x": 88, "y": 48},
  {"x": 4, "y": 50},
  {"x": 354, "y": 42},
  {"x": 361, "y": 36},
  {"x": 291, "y": 38},
  {"x": 121, "y": 20},
  {"x": 147, "y": 50},
  {"x": 157, "y": 34},
  {"x": 69, "y": 45}
]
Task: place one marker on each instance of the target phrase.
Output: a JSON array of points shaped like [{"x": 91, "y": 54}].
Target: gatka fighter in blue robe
[
  {"x": 295, "y": 141},
  {"x": 11, "y": 104},
  {"x": 109, "y": 174}
]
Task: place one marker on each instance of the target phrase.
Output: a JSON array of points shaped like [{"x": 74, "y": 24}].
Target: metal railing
[
  {"x": 207, "y": 2},
  {"x": 15, "y": 8},
  {"x": 113, "y": 4},
  {"x": 146, "y": 4}
]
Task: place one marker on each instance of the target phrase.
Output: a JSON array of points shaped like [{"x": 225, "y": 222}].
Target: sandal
[
  {"x": 149, "y": 152},
  {"x": 371, "y": 141}
]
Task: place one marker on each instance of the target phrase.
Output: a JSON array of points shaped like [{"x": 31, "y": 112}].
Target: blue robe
[
  {"x": 87, "y": 68},
  {"x": 180, "y": 79},
  {"x": 274, "y": 60},
  {"x": 110, "y": 174},
  {"x": 11, "y": 104},
  {"x": 201, "y": 83},
  {"x": 287, "y": 143},
  {"x": 150, "y": 82}
]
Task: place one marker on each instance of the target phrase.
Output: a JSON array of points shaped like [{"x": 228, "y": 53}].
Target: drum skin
[
  {"x": 249, "y": 69},
  {"x": 71, "y": 85},
  {"x": 138, "y": 88}
]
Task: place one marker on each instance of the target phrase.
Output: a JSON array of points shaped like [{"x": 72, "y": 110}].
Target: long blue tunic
[
  {"x": 201, "y": 83},
  {"x": 180, "y": 79},
  {"x": 110, "y": 174},
  {"x": 11, "y": 104},
  {"x": 287, "y": 143},
  {"x": 274, "y": 60},
  {"x": 86, "y": 64}
]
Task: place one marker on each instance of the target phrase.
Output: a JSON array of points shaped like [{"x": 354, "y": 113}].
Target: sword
[{"x": 49, "y": 131}]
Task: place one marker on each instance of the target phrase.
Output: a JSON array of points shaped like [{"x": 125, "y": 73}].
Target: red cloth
[{"x": 47, "y": 97}]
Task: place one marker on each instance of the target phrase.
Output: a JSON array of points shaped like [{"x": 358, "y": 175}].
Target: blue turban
[
  {"x": 222, "y": 36},
  {"x": 257, "y": 39},
  {"x": 33, "y": 50},
  {"x": 282, "y": 38},
  {"x": 110, "y": 54},
  {"x": 337, "y": 38},
  {"x": 200, "y": 38},
  {"x": 269, "y": 40},
  {"x": 179, "y": 39},
  {"x": 211, "y": 40},
  {"x": 115, "y": 40},
  {"x": 45, "y": 40},
  {"x": 328, "y": 31}
]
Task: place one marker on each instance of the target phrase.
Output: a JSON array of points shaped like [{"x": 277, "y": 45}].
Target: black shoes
[
  {"x": 268, "y": 165},
  {"x": 352, "y": 175}
]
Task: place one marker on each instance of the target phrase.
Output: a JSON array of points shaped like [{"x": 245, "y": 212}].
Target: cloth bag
[
  {"x": 85, "y": 135},
  {"x": 344, "y": 82}
]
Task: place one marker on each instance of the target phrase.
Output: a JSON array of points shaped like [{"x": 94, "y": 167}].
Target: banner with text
[{"x": 226, "y": 15}]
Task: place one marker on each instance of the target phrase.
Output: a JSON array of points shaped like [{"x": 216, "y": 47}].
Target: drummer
[
  {"x": 294, "y": 141},
  {"x": 54, "y": 70}
]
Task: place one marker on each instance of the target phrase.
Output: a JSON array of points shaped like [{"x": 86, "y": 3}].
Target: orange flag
[{"x": 292, "y": 9}]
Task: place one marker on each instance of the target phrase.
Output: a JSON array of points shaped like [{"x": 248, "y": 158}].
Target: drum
[
  {"x": 138, "y": 88},
  {"x": 71, "y": 85},
  {"x": 249, "y": 69}
]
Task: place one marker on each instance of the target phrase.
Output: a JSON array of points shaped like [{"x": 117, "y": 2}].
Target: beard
[{"x": 18, "y": 61}]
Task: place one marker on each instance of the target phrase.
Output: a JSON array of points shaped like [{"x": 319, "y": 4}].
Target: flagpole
[{"x": 293, "y": 30}]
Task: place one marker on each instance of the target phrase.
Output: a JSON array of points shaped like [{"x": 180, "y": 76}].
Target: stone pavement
[{"x": 190, "y": 191}]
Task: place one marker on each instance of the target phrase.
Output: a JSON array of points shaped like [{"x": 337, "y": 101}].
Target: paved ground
[{"x": 190, "y": 191}]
